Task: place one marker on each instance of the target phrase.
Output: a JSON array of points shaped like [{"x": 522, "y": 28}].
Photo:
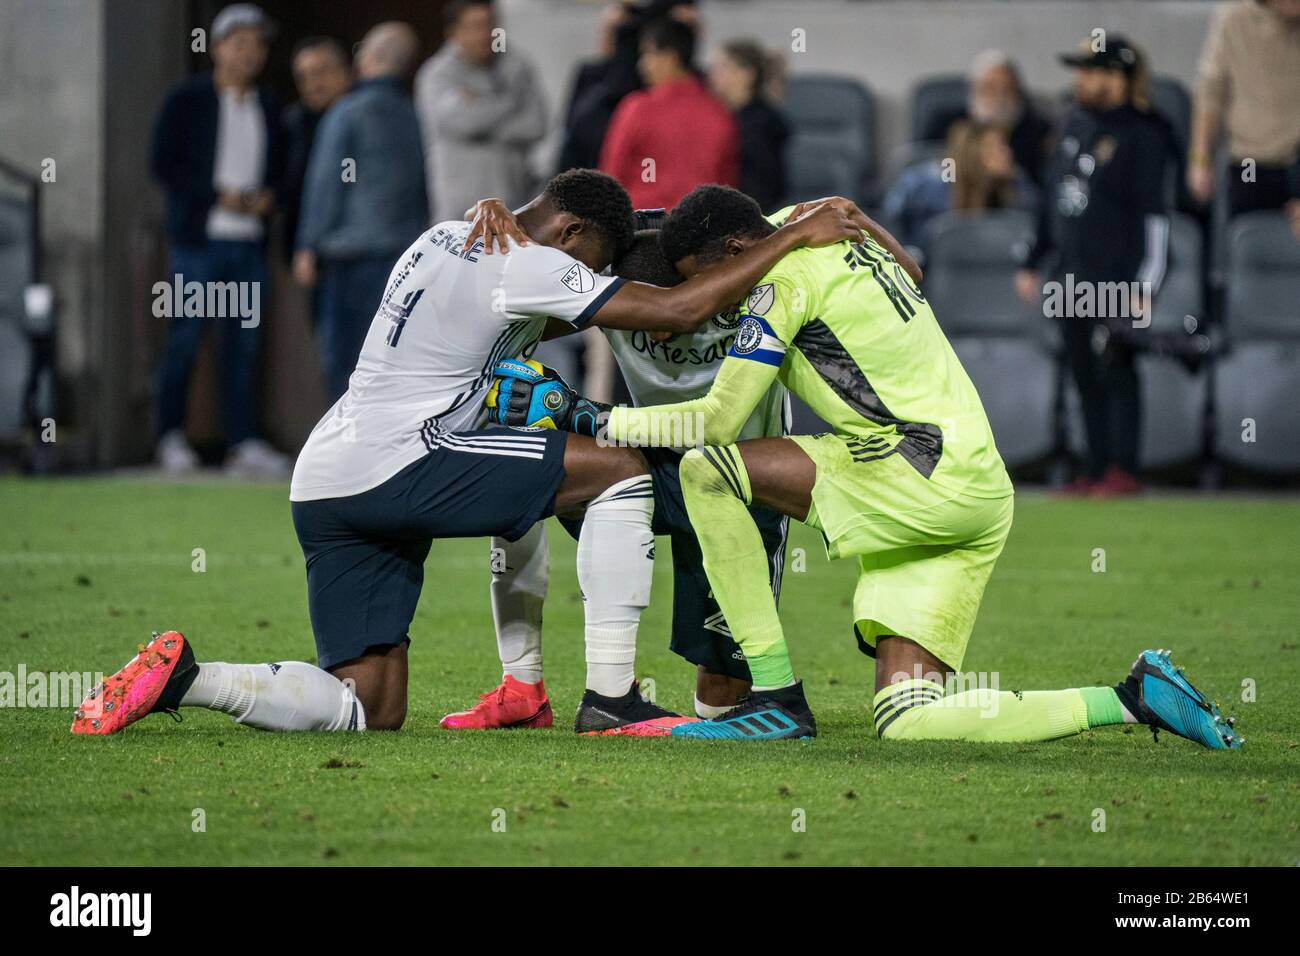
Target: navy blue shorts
[
  {"x": 365, "y": 553},
  {"x": 699, "y": 631}
]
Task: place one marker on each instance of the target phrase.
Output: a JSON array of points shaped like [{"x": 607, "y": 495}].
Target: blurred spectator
[
  {"x": 322, "y": 74},
  {"x": 217, "y": 152},
  {"x": 982, "y": 175},
  {"x": 1102, "y": 219},
  {"x": 739, "y": 77},
  {"x": 480, "y": 111},
  {"x": 600, "y": 84},
  {"x": 1249, "y": 82},
  {"x": 364, "y": 200},
  {"x": 666, "y": 140},
  {"x": 997, "y": 95}
]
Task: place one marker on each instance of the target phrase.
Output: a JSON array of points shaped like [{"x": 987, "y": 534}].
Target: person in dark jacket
[
  {"x": 738, "y": 76},
  {"x": 217, "y": 152},
  {"x": 364, "y": 200},
  {"x": 322, "y": 74},
  {"x": 600, "y": 84},
  {"x": 1103, "y": 231},
  {"x": 997, "y": 95}
]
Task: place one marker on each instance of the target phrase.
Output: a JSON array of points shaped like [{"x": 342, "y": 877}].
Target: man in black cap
[{"x": 1103, "y": 237}]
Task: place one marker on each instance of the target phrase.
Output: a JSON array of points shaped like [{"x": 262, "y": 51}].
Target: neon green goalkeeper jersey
[{"x": 845, "y": 329}]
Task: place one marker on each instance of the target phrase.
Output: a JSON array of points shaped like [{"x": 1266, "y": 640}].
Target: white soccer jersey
[
  {"x": 445, "y": 319},
  {"x": 683, "y": 368}
]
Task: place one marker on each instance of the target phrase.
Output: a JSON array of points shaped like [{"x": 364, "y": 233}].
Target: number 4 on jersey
[{"x": 400, "y": 315}]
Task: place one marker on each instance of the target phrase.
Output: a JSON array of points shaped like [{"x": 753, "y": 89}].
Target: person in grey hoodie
[
  {"x": 364, "y": 198},
  {"x": 480, "y": 110}
]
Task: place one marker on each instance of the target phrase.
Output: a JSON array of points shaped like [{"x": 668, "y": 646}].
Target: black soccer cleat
[
  {"x": 781, "y": 714},
  {"x": 598, "y": 712}
]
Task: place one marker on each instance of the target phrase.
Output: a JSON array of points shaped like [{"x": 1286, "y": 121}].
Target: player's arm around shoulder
[{"x": 685, "y": 307}]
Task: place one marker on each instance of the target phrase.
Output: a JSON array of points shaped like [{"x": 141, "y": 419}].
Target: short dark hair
[
  {"x": 453, "y": 11},
  {"x": 599, "y": 201},
  {"x": 334, "y": 46},
  {"x": 644, "y": 261},
  {"x": 670, "y": 34},
  {"x": 706, "y": 218}
]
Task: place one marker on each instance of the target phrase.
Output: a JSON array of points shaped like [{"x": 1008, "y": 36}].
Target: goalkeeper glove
[{"x": 530, "y": 394}]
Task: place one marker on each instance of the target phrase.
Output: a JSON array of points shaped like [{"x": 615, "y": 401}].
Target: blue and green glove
[{"x": 528, "y": 394}]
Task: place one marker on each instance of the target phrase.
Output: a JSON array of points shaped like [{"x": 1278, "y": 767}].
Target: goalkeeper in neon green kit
[{"x": 909, "y": 484}]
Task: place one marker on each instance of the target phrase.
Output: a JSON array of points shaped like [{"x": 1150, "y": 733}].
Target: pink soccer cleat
[
  {"x": 152, "y": 681},
  {"x": 511, "y": 704}
]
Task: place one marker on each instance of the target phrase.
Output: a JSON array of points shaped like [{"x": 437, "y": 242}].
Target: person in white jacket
[{"x": 480, "y": 110}]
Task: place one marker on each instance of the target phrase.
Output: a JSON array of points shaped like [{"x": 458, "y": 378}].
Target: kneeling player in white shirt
[
  {"x": 657, "y": 370},
  {"x": 401, "y": 460}
]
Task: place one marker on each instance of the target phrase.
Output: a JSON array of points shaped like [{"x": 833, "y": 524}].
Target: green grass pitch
[{"x": 89, "y": 567}]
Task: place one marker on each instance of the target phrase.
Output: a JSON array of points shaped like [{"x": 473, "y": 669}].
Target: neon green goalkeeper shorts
[{"x": 925, "y": 555}]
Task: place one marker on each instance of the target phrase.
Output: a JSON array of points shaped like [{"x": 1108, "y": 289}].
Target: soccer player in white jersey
[
  {"x": 401, "y": 460},
  {"x": 657, "y": 370}
]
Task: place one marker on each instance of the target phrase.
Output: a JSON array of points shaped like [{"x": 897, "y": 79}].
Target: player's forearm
[
  {"x": 700, "y": 421},
  {"x": 692, "y": 303},
  {"x": 713, "y": 419},
  {"x": 883, "y": 236}
]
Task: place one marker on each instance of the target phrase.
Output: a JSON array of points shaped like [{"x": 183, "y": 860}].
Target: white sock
[
  {"x": 710, "y": 711},
  {"x": 518, "y": 592},
  {"x": 615, "y": 567},
  {"x": 290, "y": 695}
]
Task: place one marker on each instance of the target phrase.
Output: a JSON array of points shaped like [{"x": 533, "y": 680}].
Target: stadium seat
[
  {"x": 1181, "y": 293},
  {"x": 832, "y": 149},
  {"x": 1173, "y": 412},
  {"x": 935, "y": 101},
  {"x": 1016, "y": 379},
  {"x": 15, "y": 274},
  {"x": 1263, "y": 294},
  {"x": 1169, "y": 98},
  {"x": 970, "y": 276},
  {"x": 1257, "y": 421},
  {"x": 1173, "y": 396},
  {"x": 1255, "y": 384},
  {"x": 1005, "y": 346}
]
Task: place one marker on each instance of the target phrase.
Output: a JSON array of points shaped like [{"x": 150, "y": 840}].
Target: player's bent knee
[
  {"x": 630, "y": 463},
  {"x": 699, "y": 476},
  {"x": 386, "y": 717}
]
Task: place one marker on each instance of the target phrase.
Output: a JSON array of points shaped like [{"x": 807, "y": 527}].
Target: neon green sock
[
  {"x": 716, "y": 488},
  {"x": 1103, "y": 706},
  {"x": 918, "y": 710}
]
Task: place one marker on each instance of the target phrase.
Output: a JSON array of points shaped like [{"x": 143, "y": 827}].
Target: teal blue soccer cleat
[
  {"x": 1166, "y": 700},
  {"x": 781, "y": 714}
]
